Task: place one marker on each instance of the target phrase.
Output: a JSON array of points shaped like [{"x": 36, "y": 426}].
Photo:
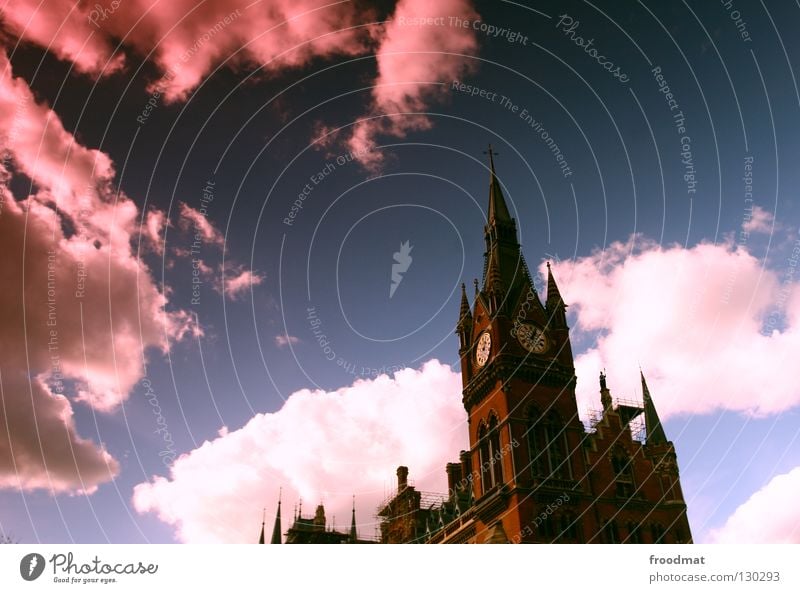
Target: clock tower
[
  {"x": 534, "y": 473},
  {"x": 518, "y": 380}
]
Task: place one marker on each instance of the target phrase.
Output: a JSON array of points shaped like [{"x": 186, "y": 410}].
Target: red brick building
[{"x": 534, "y": 473}]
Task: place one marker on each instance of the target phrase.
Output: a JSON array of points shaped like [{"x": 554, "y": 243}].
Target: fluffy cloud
[
  {"x": 282, "y": 340},
  {"x": 759, "y": 221},
  {"x": 187, "y": 39},
  {"x": 413, "y": 59},
  {"x": 318, "y": 446},
  {"x": 193, "y": 220},
  {"x": 236, "y": 281},
  {"x": 700, "y": 321},
  {"x": 69, "y": 321},
  {"x": 771, "y": 515}
]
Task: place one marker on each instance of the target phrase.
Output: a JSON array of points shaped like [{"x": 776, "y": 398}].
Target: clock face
[
  {"x": 532, "y": 338},
  {"x": 483, "y": 349}
]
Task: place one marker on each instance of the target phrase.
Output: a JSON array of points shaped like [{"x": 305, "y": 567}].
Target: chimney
[
  {"x": 454, "y": 478},
  {"x": 466, "y": 466},
  {"x": 402, "y": 478}
]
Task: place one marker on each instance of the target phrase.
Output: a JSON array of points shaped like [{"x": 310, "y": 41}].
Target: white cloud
[
  {"x": 319, "y": 446},
  {"x": 282, "y": 340},
  {"x": 693, "y": 318},
  {"x": 771, "y": 515}
]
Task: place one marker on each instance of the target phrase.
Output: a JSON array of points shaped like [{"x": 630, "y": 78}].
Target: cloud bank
[{"x": 320, "y": 446}]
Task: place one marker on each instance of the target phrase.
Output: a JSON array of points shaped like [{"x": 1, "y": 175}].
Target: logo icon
[
  {"x": 31, "y": 566},
  {"x": 403, "y": 259}
]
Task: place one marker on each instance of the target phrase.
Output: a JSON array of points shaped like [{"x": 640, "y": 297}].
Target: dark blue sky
[{"x": 250, "y": 132}]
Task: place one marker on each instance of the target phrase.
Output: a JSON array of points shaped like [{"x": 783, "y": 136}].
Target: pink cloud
[
  {"x": 771, "y": 515},
  {"x": 759, "y": 221},
  {"x": 701, "y": 321},
  {"x": 318, "y": 446},
  {"x": 237, "y": 281},
  {"x": 155, "y": 223},
  {"x": 197, "y": 222},
  {"x": 63, "y": 26},
  {"x": 77, "y": 306},
  {"x": 188, "y": 39},
  {"x": 413, "y": 60},
  {"x": 283, "y": 340}
]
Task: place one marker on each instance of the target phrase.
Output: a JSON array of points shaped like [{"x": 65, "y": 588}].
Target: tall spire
[
  {"x": 464, "y": 316},
  {"x": 655, "y": 432},
  {"x": 553, "y": 294},
  {"x": 263, "y": 520},
  {"x": 276, "y": 529},
  {"x": 556, "y": 309},
  {"x": 498, "y": 211},
  {"x": 353, "y": 534}
]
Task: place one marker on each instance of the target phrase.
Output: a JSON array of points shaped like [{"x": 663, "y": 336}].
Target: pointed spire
[
  {"x": 498, "y": 211},
  {"x": 276, "y": 529},
  {"x": 655, "y": 432},
  {"x": 553, "y": 294},
  {"x": 263, "y": 520},
  {"x": 353, "y": 534},
  {"x": 464, "y": 316}
]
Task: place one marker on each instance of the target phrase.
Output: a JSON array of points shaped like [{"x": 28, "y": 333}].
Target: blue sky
[{"x": 251, "y": 129}]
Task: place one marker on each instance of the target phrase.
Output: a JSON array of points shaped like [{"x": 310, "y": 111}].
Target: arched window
[
  {"x": 623, "y": 472},
  {"x": 490, "y": 455},
  {"x": 557, "y": 446},
  {"x": 483, "y": 458},
  {"x": 547, "y": 446},
  {"x": 537, "y": 445},
  {"x": 495, "y": 452}
]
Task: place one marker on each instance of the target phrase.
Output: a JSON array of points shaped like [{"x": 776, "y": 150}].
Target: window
[
  {"x": 657, "y": 534},
  {"x": 634, "y": 533},
  {"x": 547, "y": 446},
  {"x": 611, "y": 532},
  {"x": 490, "y": 455},
  {"x": 546, "y": 528},
  {"x": 537, "y": 445},
  {"x": 569, "y": 527},
  {"x": 623, "y": 472}
]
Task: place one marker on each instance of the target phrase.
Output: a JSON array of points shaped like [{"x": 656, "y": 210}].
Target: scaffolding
[{"x": 631, "y": 413}]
